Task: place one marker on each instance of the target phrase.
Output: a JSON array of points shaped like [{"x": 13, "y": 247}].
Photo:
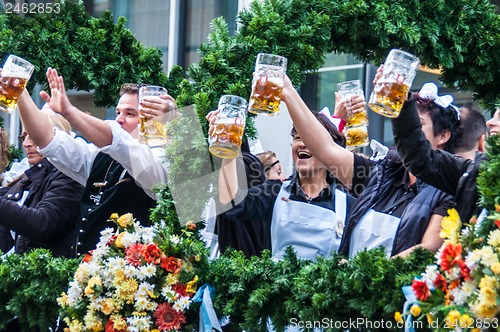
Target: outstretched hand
[{"x": 58, "y": 99}]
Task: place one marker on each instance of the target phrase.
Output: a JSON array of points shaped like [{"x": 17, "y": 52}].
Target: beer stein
[
  {"x": 347, "y": 91},
  {"x": 225, "y": 140},
  {"x": 390, "y": 91},
  {"x": 267, "y": 84},
  {"x": 151, "y": 131},
  {"x": 16, "y": 73},
  {"x": 356, "y": 137}
]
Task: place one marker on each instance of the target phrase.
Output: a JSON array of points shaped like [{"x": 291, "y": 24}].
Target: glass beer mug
[
  {"x": 16, "y": 73},
  {"x": 267, "y": 84},
  {"x": 152, "y": 132},
  {"x": 356, "y": 127},
  {"x": 225, "y": 140},
  {"x": 391, "y": 89}
]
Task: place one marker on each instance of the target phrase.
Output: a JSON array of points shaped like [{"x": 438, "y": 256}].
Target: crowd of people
[{"x": 336, "y": 200}]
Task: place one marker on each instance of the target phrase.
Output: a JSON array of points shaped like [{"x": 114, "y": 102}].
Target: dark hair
[
  {"x": 330, "y": 127},
  {"x": 130, "y": 88},
  {"x": 442, "y": 119},
  {"x": 472, "y": 127}
]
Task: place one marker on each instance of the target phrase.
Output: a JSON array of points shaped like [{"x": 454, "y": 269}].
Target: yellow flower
[
  {"x": 486, "y": 311},
  {"x": 170, "y": 279},
  {"x": 94, "y": 286},
  {"x": 450, "y": 225},
  {"x": 398, "y": 317},
  {"x": 466, "y": 321},
  {"x": 495, "y": 267},
  {"x": 126, "y": 220},
  {"x": 119, "y": 240},
  {"x": 63, "y": 300},
  {"x": 107, "y": 306},
  {"x": 453, "y": 318},
  {"x": 430, "y": 319},
  {"x": 114, "y": 216},
  {"x": 191, "y": 285},
  {"x": 415, "y": 310}
]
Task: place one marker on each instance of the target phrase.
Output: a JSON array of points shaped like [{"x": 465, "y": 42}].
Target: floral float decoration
[
  {"x": 137, "y": 279},
  {"x": 461, "y": 290}
]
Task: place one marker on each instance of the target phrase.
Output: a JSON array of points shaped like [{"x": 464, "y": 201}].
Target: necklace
[{"x": 101, "y": 185}]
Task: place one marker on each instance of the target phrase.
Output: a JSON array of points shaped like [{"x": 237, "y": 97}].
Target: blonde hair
[{"x": 56, "y": 120}]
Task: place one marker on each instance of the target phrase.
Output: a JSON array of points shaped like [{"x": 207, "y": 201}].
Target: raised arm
[
  {"x": 93, "y": 129},
  {"x": 34, "y": 122},
  {"x": 339, "y": 161}
]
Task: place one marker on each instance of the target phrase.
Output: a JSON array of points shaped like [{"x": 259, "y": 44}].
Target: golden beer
[
  {"x": 357, "y": 137},
  {"x": 152, "y": 132},
  {"x": 267, "y": 84},
  {"x": 266, "y": 96},
  {"x": 225, "y": 141},
  {"x": 359, "y": 118},
  {"x": 10, "y": 90},
  {"x": 387, "y": 98}
]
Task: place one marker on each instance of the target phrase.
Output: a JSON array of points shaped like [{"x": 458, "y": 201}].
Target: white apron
[
  {"x": 375, "y": 229},
  {"x": 310, "y": 229}
]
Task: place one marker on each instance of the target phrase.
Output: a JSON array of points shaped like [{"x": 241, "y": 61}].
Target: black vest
[{"x": 109, "y": 189}]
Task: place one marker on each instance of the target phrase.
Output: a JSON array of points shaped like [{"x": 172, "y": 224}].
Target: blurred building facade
[{"x": 178, "y": 27}]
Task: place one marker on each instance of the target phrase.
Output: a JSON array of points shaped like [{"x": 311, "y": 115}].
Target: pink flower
[{"x": 133, "y": 254}]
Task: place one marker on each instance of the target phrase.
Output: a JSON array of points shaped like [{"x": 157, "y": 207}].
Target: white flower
[
  {"x": 129, "y": 239},
  {"x": 146, "y": 271},
  {"x": 147, "y": 234},
  {"x": 177, "y": 306},
  {"x": 459, "y": 296},
  {"x": 472, "y": 259},
  {"x": 488, "y": 256},
  {"x": 74, "y": 293},
  {"x": 494, "y": 238},
  {"x": 430, "y": 274},
  {"x": 141, "y": 303},
  {"x": 175, "y": 239},
  {"x": 184, "y": 302}
]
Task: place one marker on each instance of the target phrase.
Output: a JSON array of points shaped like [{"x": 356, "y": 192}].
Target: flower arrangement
[
  {"x": 461, "y": 290},
  {"x": 137, "y": 279}
]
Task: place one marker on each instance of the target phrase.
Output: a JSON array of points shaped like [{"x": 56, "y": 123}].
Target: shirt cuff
[{"x": 53, "y": 145}]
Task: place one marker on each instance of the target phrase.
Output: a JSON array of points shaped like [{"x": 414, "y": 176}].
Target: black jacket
[
  {"x": 48, "y": 215},
  {"x": 454, "y": 175},
  {"x": 416, "y": 214},
  {"x": 109, "y": 189}
]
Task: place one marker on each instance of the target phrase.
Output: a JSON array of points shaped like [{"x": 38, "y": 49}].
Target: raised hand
[{"x": 58, "y": 100}]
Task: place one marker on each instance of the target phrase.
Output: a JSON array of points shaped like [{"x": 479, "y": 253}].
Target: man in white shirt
[{"x": 117, "y": 171}]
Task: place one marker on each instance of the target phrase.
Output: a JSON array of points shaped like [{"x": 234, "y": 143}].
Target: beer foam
[
  {"x": 229, "y": 121},
  {"x": 14, "y": 73}
]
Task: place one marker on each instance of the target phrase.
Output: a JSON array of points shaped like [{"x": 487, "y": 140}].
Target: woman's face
[
  {"x": 275, "y": 172},
  {"x": 494, "y": 123},
  {"x": 305, "y": 164},
  {"x": 34, "y": 157},
  {"x": 428, "y": 129}
]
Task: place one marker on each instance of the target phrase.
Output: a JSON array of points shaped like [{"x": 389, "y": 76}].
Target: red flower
[
  {"x": 451, "y": 255},
  {"x": 110, "y": 327},
  {"x": 440, "y": 282},
  {"x": 422, "y": 292},
  {"x": 152, "y": 254},
  {"x": 464, "y": 270},
  {"x": 133, "y": 254},
  {"x": 167, "y": 318},
  {"x": 171, "y": 264},
  {"x": 497, "y": 222},
  {"x": 88, "y": 257},
  {"x": 180, "y": 289}
]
